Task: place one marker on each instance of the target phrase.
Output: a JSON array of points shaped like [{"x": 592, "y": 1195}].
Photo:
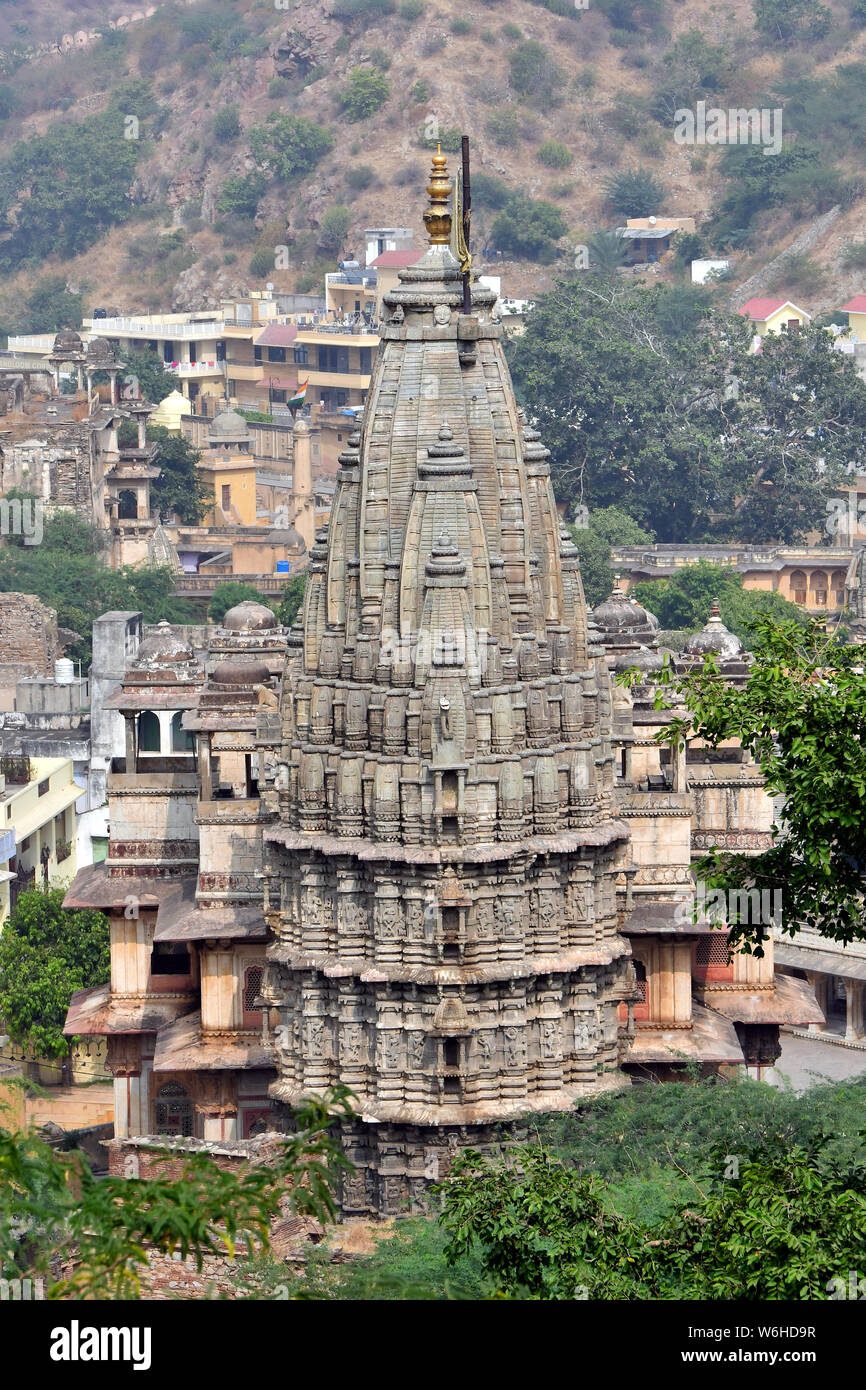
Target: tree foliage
[
  {"x": 783, "y": 1228},
  {"x": 651, "y": 399},
  {"x": 684, "y": 601},
  {"x": 51, "y": 1204},
  {"x": 528, "y": 227},
  {"x": 46, "y": 954},
  {"x": 146, "y": 367},
  {"x": 288, "y": 146},
  {"x": 634, "y": 193},
  {"x": 180, "y": 487},
  {"x": 292, "y": 600},
  {"x": 364, "y": 92},
  {"x": 783, "y": 21},
  {"x": 802, "y": 717},
  {"x": 605, "y": 527},
  {"x": 231, "y": 592}
]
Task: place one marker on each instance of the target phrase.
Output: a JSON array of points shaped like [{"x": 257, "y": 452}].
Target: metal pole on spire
[{"x": 466, "y": 210}]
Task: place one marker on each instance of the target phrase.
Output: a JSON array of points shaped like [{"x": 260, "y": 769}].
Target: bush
[
  {"x": 286, "y": 146},
  {"x": 380, "y": 59},
  {"x": 227, "y": 124},
  {"x": 411, "y": 10},
  {"x": 240, "y": 195},
  {"x": 365, "y": 93},
  {"x": 512, "y": 33},
  {"x": 531, "y": 71},
  {"x": 634, "y": 193},
  {"x": 489, "y": 191},
  {"x": 333, "y": 227},
  {"x": 279, "y": 87},
  {"x": 505, "y": 127},
  {"x": 449, "y": 137},
  {"x": 554, "y": 154},
  {"x": 262, "y": 262},
  {"x": 420, "y": 91},
  {"x": 360, "y": 176},
  {"x": 784, "y": 21},
  {"x": 461, "y": 26},
  {"x": 688, "y": 247},
  {"x": 528, "y": 228},
  {"x": 854, "y": 255}
]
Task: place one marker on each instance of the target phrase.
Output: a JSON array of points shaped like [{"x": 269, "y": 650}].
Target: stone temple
[
  {"x": 441, "y": 882},
  {"x": 420, "y": 843}
]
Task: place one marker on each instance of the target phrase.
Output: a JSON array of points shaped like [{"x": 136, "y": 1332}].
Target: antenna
[{"x": 467, "y": 212}]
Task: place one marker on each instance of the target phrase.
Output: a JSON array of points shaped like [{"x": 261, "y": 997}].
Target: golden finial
[{"x": 437, "y": 218}]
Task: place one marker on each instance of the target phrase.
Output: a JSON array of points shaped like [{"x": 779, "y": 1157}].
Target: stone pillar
[
  {"x": 820, "y": 984},
  {"x": 854, "y": 1020},
  {"x": 142, "y": 433},
  {"x": 302, "y": 483},
  {"x": 205, "y": 767},
  {"x": 127, "y": 1102},
  {"x": 129, "y": 729}
]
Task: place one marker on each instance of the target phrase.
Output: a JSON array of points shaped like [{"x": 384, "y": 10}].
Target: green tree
[
  {"x": 528, "y": 228},
  {"x": 50, "y": 306},
  {"x": 292, "y": 600},
  {"x": 634, "y": 193},
  {"x": 229, "y": 593},
  {"x": 240, "y": 195},
  {"x": 607, "y": 252},
  {"x": 262, "y": 262},
  {"x": 180, "y": 487},
  {"x": 365, "y": 91},
  {"x": 532, "y": 72},
  {"x": 227, "y": 124},
  {"x": 604, "y": 528},
  {"x": 288, "y": 146},
  {"x": 46, "y": 954},
  {"x": 802, "y": 716},
  {"x": 333, "y": 227},
  {"x": 113, "y": 1223},
  {"x": 693, "y": 434},
  {"x": 684, "y": 601},
  {"x": 783, "y": 21},
  {"x": 146, "y": 367}
]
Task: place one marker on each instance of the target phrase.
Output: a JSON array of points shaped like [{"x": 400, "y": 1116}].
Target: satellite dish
[
  {"x": 269, "y": 285},
  {"x": 652, "y": 221}
]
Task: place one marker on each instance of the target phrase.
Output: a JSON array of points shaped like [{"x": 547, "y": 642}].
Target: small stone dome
[
  {"x": 100, "y": 354},
  {"x": 249, "y": 616},
  {"x": 164, "y": 647},
  {"x": 240, "y": 673},
  {"x": 621, "y": 614},
  {"x": 714, "y": 637},
  {"x": 228, "y": 426},
  {"x": 646, "y": 659},
  {"x": 67, "y": 344}
]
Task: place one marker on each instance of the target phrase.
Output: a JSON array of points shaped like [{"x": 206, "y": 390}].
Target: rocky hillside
[{"x": 161, "y": 163}]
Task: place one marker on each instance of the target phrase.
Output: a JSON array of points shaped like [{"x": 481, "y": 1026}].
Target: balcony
[
  {"x": 187, "y": 369},
  {"x": 206, "y": 330}
]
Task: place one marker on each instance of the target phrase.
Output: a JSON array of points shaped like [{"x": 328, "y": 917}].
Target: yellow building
[
  {"x": 774, "y": 316},
  {"x": 856, "y": 311},
  {"x": 37, "y": 824}
]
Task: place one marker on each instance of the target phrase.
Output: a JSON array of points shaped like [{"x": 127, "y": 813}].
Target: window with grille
[
  {"x": 252, "y": 989},
  {"x": 172, "y": 1110},
  {"x": 640, "y": 982},
  {"x": 713, "y": 949}
]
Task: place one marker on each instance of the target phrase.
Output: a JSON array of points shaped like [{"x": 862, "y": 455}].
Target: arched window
[
  {"x": 798, "y": 586},
  {"x": 819, "y": 589},
  {"x": 172, "y": 1111},
  {"x": 253, "y": 976},
  {"x": 182, "y": 740},
  {"x": 837, "y": 588},
  {"x": 148, "y": 732},
  {"x": 127, "y": 505}
]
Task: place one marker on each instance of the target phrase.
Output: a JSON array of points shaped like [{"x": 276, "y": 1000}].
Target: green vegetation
[
  {"x": 179, "y": 487},
  {"x": 532, "y": 72},
  {"x": 333, "y": 227},
  {"x": 146, "y": 367},
  {"x": 50, "y": 306},
  {"x": 68, "y": 572},
  {"x": 231, "y": 592},
  {"x": 801, "y": 715},
  {"x": 288, "y": 146},
  {"x": 651, "y": 400},
  {"x": 604, "y": 528},
  {"x": 111, "y": 1222},
  {"x": 554, "y": 154},
  {"x": 634, "y": 193},
  {"x": 528, "y": 227},
  {"x": 46, "y": 954},
  {"x": 366, "y": 90},
  {"x": 262, "y": 262},
  {"x": 227, "y": 124},
  {"x": 241, "y": 194},
  {"x": 292, "y": 600},
  {"x": 784, "y": 21},
  {"x": 683, "y": 602}
]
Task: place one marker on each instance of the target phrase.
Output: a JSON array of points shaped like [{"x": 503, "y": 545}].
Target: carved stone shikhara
[{"x": 445, "y": 858}]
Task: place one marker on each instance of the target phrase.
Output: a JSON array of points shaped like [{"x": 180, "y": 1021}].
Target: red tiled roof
[
  {"x": 277, "y": 335},
  {"x": 761, "y": 309},
  {"x": 396, "y": 258},
  {"x": 857, "y": 305}
]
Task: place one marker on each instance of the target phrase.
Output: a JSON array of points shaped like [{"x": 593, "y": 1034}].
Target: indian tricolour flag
[{"x": 300, "y": 395}]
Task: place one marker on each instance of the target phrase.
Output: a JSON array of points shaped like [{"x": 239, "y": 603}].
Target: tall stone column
[
  {"x": 820, "y": 984},
  {"x": 854, "y": 1012}
]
